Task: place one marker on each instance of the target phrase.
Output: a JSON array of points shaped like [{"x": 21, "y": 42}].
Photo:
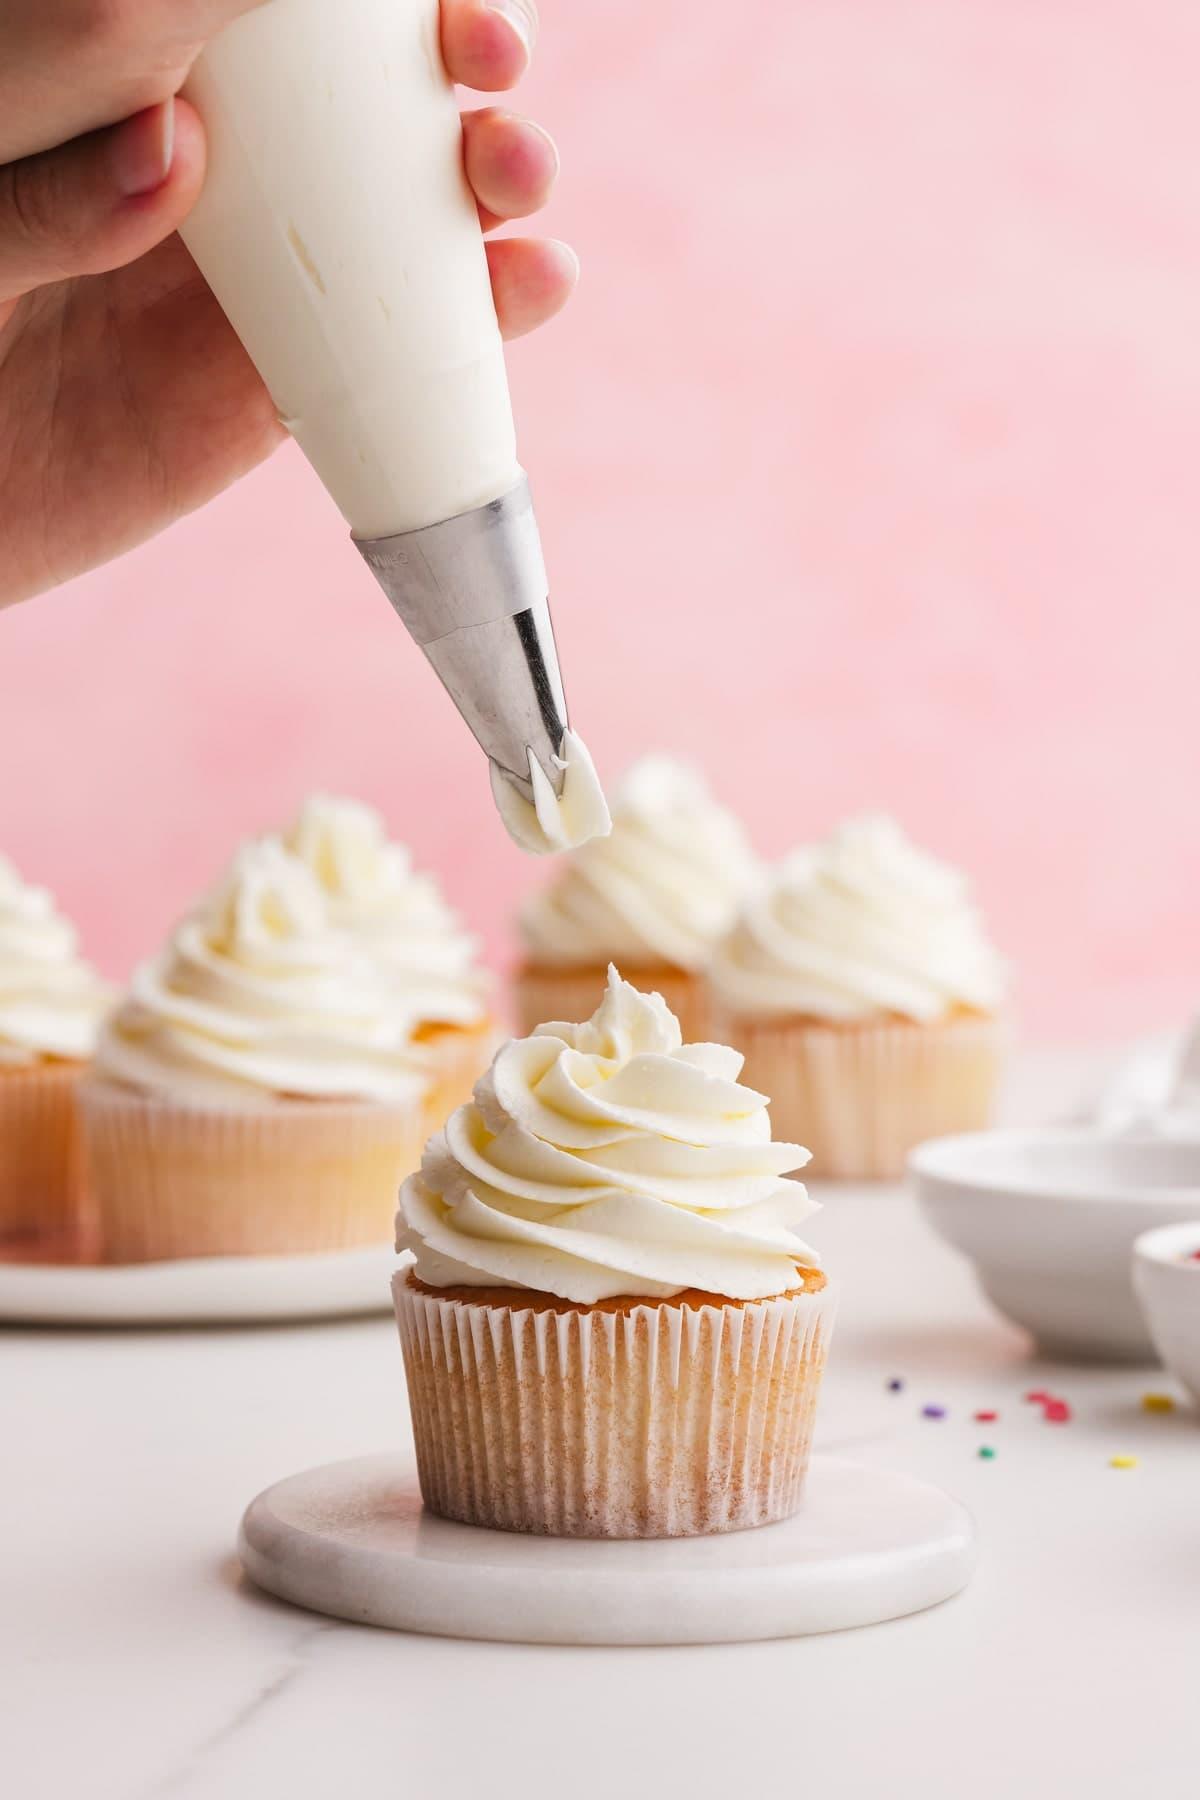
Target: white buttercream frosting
[
  {"x": 610, "y": 1159},
  {"x": 862, "y": 924},
  {"x": 554, "y": 821},
  {"x": 397, "y": 913},
  {"x": 260, "y": 996},
  {"x": 51, "y": 1001},
  {"x": 661, "y": 888}
]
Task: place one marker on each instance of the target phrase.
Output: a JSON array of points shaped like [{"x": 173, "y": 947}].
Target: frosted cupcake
[
  {"x": 865, "y": 995},
  {"x": 51, "y": 1004},
  {"x": 255, "y": 1092},
  {"x": 611, "y": 1328},
  {"x": 655, "y": 897},
  {"x": 401, "y": 919}
]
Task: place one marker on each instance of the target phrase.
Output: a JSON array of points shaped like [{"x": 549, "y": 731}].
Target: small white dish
[
  {"x": 217, "y": 1290},
  {"x": 1168, "y": 1286},
  {"x": 1049, "y": 1216}
]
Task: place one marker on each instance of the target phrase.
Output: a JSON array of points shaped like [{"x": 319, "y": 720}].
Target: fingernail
[
  {"x": 568, "y": 255},
  {"x": 540, "y": 131},
  {"x": 521, "y": 15},
  {"x": 143, "y": 148}
]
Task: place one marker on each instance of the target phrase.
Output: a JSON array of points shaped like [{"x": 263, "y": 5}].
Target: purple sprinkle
[
  {"x": 895, "y": 1385},
  {"x": 933, "y": 1412}
]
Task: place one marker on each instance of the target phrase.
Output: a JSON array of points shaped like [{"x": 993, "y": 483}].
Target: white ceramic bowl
[
  {"x": 1049, "y": 1217},
  {"x": 1169, "y": 1290}
]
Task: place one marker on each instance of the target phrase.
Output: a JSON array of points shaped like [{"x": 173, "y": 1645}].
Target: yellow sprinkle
[
  {"x": 1122, "y": 1462},
  {"x": 1157, "y": 1403}
]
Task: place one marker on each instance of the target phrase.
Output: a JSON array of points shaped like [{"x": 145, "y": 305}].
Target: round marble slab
[
  {"x": 218, "y": 1290},
  {"x": 353, "y": 1540}
]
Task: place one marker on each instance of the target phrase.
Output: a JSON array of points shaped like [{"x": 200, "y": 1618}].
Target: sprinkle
[
  {"x": 895, "y": 1385},
  {"x": 986, "y": 1418},
  {"x": 1157, "y": 1403},
  {"x": 1054, "y": 1410},
  {"x": 933, "y": 1412},
  {"x": 986, "y": 1452},
  {"x": 1122, "y": 1462},
  {"x": 1192, "y": 1256}
]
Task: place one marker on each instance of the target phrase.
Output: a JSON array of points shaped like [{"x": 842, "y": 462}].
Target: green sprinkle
[{"x": 986, "y": 1451}]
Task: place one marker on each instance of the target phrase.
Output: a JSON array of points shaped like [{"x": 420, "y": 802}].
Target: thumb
[{"x": 99, "y": 201}]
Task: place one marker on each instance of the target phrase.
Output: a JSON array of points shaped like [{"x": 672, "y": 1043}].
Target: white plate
[
  {"x": 352, "y": 1540},
  {"x": 218, "y": 1290}
]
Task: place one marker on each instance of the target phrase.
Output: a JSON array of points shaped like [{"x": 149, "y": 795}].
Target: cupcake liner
[
  {"x": 458, "y": 1056},
  {"x": 174, "y": 1181},
  {"x": 542, "y": 993},
  {"x": 860, "y": 1097},
  {"x": 649, "y": 1421},
  {"x": 41, "y": 1165}
]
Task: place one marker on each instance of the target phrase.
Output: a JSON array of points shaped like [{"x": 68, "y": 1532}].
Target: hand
[{"x": 125, "y": 398}]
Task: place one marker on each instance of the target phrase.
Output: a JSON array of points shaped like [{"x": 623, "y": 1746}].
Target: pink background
[{"x": 866, "y": 461}]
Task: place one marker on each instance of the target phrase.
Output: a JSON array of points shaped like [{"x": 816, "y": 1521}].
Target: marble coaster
[
  {"x": 216, "y": 1290},
  {"x": 353, "y": 1540}
]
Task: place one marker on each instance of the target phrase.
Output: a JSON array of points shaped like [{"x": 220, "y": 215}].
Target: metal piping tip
[{"x": 472, "y": 592}]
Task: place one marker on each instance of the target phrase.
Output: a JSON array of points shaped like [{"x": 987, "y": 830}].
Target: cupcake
[
  {"x": 860, "y": 985},
  {"x": 610, "y": 1328},
  {"x": 255, "y": 1092},
  {"x": 654, "y": 896},
  {"x": 51, "y": 1004},
  {"x": 400, "y": 919}
]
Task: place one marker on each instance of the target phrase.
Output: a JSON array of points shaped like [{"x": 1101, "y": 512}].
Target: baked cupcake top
[
  {"x": 51, "y": 1001},
  {"x": 398, "y": 915},
  {"x": 861, "y": 925},
  {"x": 609, "y": 1159},
  {"x": 662, "y": 888},
  {"x": 259, "y": 996}
]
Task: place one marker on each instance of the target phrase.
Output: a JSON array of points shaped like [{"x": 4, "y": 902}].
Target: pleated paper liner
[
  {"x": 656, "y": 1420},
  {"x": 861, "y": 1096},
  {"x": 173, "y": 1181},
  {"x": 41, "y": 1164}
]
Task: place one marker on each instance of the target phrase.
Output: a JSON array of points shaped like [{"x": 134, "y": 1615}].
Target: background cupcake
[
  {"x": 255, "y": 1092},
  {"x": 654, "y": 896},
  {"x": 401, "y": 919},
  {"x": 860, "y": 985},
  {"x": 611, "y": 1328},
  {"x": 51, "y": 1004}
]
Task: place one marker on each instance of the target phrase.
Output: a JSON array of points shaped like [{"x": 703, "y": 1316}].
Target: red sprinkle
[
  {"x": 1039, "y": 1396},
  {"x": 1056, "y": 1412},
  {"x": 986, "y": 1418}
]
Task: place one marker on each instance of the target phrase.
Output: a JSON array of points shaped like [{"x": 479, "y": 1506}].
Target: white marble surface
[{"x": 135, "y": 1665}]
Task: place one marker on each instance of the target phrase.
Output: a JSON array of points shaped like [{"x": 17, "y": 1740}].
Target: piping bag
[{"x": 338, "y": 232}]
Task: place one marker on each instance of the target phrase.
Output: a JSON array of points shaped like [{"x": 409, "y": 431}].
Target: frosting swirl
[
  {"x": 259, "y": 996},
  {"x": 51, "y": 1001},
  {"x": 609, "y": 1159},
  {"x": 862, "y": 924},
  {"x": 661, "y": 889},
  {"x": 398, "y": 915},
  {"x": 554, "y": 821}
]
